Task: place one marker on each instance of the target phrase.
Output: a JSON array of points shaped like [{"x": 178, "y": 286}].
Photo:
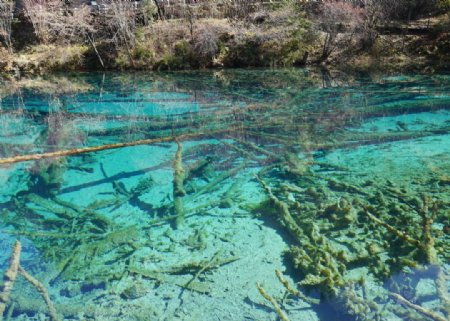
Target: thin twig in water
[
  {"x": 283, "y": 316},
  {"x": 418, "y": 308}
]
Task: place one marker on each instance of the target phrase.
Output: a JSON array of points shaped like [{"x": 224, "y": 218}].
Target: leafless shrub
[
  {"x": 334, "y": 18},
  {"x": 123, "y": 22},
  {"x": 206, "y": 42},
  {"x": 377, "y": 13},
  {"x": 281, "y": 16},
  {"x": 190, "y": 15},
  {"x": 167, "y": 32},
  {"x": 211, "y": 9},
  {"x": 53, "y": 22},
  {"x": 388, "y": 10},
  {"x": 258, "y": 17},
  {"x": 41, "y": 15},
  {"x": 372, "y": 16},
  {"x": 6, "y": 17},
  {"x": 5, "y": 61},
  {"x": 241, "y": 9},
  {"x": 78, "y": 22}
]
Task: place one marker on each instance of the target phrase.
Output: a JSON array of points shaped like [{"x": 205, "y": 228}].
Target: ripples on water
[{"x": 338, "y": 182}]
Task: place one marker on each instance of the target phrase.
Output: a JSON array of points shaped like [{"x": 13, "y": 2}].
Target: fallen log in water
[
  {"x": 179, "y": 176},
  {"x": 76, "y": 151}
]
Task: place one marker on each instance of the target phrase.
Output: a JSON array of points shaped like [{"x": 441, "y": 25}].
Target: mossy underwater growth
[
  {"x": 367, "y": 222},
  {"x": 339, "y": 244}
]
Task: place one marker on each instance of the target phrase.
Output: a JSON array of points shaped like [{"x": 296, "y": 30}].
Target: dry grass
[
  {"x": 6, "y": 59},
  {"x": 164, "y": 34},
  {"x": 44, "y": 58}
]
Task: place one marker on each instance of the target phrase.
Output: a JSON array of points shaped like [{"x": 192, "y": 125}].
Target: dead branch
[
  {"x": 179, "y": 176},
  {"x": 179, "y": 172},
  {"x": 283, "y": 316},
  {"x": 43, "y": 291},
  {"x": 77, "y": 151},
  {"x": 208, "y": 265},
  {"x": 418, "y": 308},
  {"x": 393, "y": 230},
  {"x": 428, "y": 241},
  {"x": 286, "y": 218},
  {"x": 290, "y": 288},
  {"x": 10, "y": 277}
]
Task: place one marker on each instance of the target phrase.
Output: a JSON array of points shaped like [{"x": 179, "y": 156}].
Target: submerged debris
[
  {"x": 179, "y": 176},
  {"x": 100, "y": 235},
  {"x": 10, "y": 277},
  {"x": 275, "y": 304}
]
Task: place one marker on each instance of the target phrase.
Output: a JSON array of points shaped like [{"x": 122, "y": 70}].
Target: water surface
[{"x": 338, "y": 182}]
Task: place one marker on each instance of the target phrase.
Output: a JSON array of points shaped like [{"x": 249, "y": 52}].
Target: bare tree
[
  {"x": 191, "y": 17},
  {"x": 53, "y": 21},
  {"x": 372, "y": 17},
  {"x": 240, "y": 9},
  {"x": 41, "y": 14},
  {"x": 77, "y": 23},
  {"x": 334, "y": 18},
  {"x": 206, "y": 43},
  {"x": 121, "y": 23},
  {"x": 6, "y": 17}
]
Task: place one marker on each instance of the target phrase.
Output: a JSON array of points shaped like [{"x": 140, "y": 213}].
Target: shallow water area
[{"x": 244, "y": 195}]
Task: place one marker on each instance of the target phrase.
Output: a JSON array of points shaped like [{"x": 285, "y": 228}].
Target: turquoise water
[{"x": 339, "y": 182}]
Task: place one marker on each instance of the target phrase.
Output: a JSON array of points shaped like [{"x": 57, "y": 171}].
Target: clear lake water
[{"x": 247, "y": 194}]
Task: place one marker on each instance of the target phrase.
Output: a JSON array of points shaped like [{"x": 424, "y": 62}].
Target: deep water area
[{"x": 247, "y": 194}]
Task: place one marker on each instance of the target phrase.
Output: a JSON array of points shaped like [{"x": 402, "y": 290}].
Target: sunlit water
[{"x": 338, "y": 182}]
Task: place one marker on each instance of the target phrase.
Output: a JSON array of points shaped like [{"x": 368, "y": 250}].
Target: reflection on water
[{"x": 264, "y": 194}]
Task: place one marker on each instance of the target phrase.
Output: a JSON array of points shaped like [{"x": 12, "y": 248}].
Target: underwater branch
[
  {"x": 43, "y": 291},
  {"x": 276, "y": 306},
  {"x": 179, "y": 176},
  {"x": 10, "y": 277},
  {"x": 292, "y": 290},
  {"x": 418, "y": 308}
]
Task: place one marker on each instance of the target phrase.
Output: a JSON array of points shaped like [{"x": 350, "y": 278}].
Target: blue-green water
[{"x": 340, "y": 182}]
